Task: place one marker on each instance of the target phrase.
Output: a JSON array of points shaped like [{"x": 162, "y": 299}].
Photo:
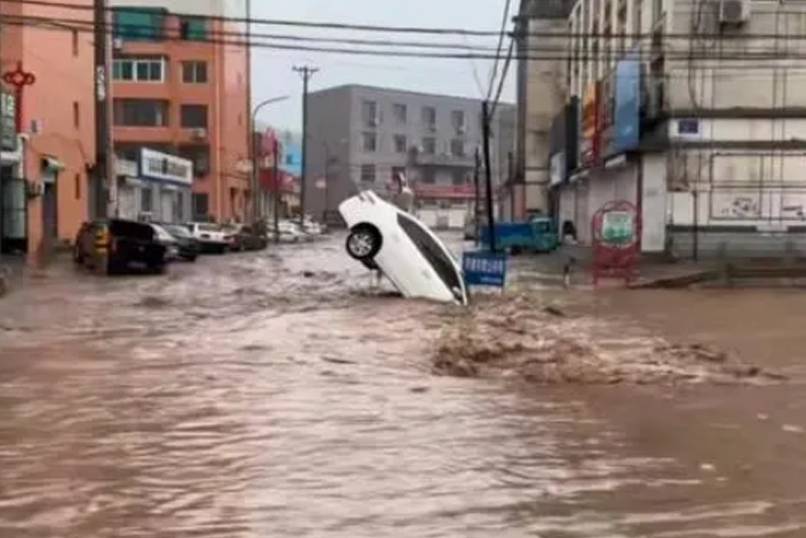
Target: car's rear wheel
[{"x": 364, "y": 242}]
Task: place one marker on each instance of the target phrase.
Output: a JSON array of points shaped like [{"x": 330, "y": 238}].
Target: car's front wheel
[{"x": 364, "y": 242}]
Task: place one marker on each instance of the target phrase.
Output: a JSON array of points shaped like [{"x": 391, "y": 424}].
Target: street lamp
[{"x": 255, "y": 112}]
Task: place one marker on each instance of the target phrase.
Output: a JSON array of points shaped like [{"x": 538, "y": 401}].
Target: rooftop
[{"x": 347, "y": 87}]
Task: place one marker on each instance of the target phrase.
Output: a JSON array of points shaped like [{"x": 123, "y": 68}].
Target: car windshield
[
  {"x": 433, "y": 252},
  {"x": 178, "y": 231},
  {"x": 134, "y": 230},
  {"x": 162, "y": 234}
]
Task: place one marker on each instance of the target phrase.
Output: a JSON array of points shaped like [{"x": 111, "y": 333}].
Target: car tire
[{"x": 363, "y": 242}]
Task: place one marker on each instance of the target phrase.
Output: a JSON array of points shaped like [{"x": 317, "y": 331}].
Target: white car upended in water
[{"x": 402, "y": 248}]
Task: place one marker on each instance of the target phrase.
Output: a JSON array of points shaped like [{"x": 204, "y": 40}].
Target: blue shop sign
[
  {"x": 628, "y": 105},
  {"x": 485, "y": 268}
]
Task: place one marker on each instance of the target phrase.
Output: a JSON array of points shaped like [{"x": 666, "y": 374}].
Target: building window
[
  {"x": 76, "y": 115},
  {"x": 141, "y": 112},
  {"x": 77, "y": 186},
  {"x": 401, "y": 145},
  {"x": 201, "y": 206},
  {"x": 145, "y": 200},
  {"x": 194, "y": 116},
  {"x": 193, "y": 29},
  {"x": 458, "y": 147},
  {"x": 429, "y": 145},
  {"x": 401, "y": 113},
  {"x": 368, "y": 173},
  {"x": 369, "y": 113},
  {"x": 369, "y": 142},
  {"x": 430, "y": 117},
  {"x": 139, "y": 24},
  {"x": 458, "y": 120},
  {"x": 194, "y": 72},
  {"x": 75, "y": 43},
  {"x": 427, "y": 176},
  {"x": 200, "y": 156},
  {"x": 459, "y": 178},
  {"x": 139, "y": 69}
]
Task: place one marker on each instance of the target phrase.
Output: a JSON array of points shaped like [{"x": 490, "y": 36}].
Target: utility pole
[
  {"x": 477, "y": 203},
  {"x": 104, "y": 152},
  {"x": 276, "y": 175},
  {"x": 485, "y": 129},
  {"x": 327, "y": 181},
  {"x": 306, "y": 72}
]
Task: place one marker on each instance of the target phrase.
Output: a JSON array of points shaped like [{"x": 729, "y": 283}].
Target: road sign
[{"x": 485, "y": 268}]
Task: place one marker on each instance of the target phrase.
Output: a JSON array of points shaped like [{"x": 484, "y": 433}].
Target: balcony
[{"x": 443, "y": 159}]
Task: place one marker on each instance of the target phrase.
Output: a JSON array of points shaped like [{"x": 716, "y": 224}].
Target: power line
[
  {"x": 284, "y": 22},
  {"x": 432, "y": 30},
  {"x": 498, "y": 49},
  {"x": 550, "y": 55},
  {"x": 504, "y": 73}
]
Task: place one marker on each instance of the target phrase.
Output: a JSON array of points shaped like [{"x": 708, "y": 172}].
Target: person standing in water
[{"x": 403, "y": 197}]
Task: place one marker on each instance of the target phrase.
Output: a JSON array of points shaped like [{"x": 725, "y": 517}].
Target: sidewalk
[{"x": 654, "y": 271}]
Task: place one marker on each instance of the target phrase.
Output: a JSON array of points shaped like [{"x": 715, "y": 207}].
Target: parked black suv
[
  {"x": 189, "y": 248},
  {"x": 116, "y": 245}
]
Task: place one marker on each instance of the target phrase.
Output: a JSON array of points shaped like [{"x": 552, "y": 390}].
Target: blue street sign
[{"x": 485, "y": 269}]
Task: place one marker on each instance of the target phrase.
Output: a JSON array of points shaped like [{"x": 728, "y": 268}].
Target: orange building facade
[
  {"x": 180, "y": 88},
  {"x": 49, "y": 151}
]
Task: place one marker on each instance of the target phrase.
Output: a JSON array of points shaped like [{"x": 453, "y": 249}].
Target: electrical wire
[
  {"x": 504, "y": 73},
  {"x": 424, "y": 30},
  {"x": 499, "y": 48},
  {"x": 87, "y": 26}
]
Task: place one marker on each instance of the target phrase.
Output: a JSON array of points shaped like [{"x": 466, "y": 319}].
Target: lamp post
[{"x": 254, "y": 150}]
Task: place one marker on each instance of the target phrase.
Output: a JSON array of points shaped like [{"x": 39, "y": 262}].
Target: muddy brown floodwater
[{"x": 274, "y": 394}]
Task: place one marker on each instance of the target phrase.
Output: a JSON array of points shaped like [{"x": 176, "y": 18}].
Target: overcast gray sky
[{"x": 272, "y": 73}]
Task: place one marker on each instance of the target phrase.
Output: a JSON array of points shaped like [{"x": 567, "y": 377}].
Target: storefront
[
  {"x": 13, "y": 200},
  {"x": 156, "y": 188}
]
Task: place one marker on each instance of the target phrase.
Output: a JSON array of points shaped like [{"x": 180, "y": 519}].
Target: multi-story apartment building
[
  {"x": 692, "y": 112},
  {"x": 48, "y": 133},
  {"x": 362, "y": 137},
  {"x": 180, "y": 88},
  {"x": 540, "y": 26}
]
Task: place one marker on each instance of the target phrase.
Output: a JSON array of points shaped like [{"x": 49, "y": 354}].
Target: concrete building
[
  {"x": 705, "y": 135},
  {"x": 541, "y": 92},
  {"x": 48, "y": 136},
  {"x": 179, "y": 91},
  {"x": 361, "y": 137}
]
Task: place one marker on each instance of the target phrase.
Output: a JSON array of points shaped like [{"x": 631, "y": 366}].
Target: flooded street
[{"x": 275, "y": 394}]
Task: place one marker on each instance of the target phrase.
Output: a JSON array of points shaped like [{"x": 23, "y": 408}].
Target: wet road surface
[{"x": 275, "y": 394}]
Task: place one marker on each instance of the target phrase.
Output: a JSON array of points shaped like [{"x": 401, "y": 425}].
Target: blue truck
[{"x": 538, "y": 234}]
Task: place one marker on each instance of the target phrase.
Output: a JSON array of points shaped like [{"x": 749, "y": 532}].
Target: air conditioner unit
[
  {"x": 117, "y": 43},
  {"x": 373, "y": 122},
  {"x": 734, "y": 11},
  {"x": 461, "y": 129},
  {"x": 199, "y": 133}
]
